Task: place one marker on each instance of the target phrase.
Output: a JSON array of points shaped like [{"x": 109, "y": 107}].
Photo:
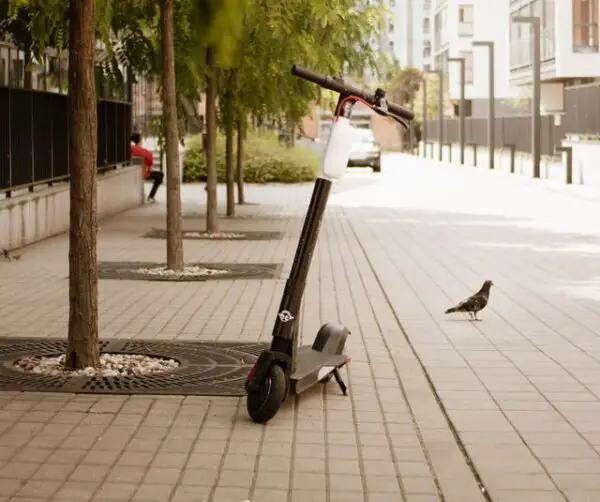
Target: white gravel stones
[
  {"x": 191, "y": 271},
  {"x": 110, "y": 365},
  {"x": 215, "y": 235}
]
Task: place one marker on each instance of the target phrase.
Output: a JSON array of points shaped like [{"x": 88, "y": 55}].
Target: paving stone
[{"x": 521, "y": 384}]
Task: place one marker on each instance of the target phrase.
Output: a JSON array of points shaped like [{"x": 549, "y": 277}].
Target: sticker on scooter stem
[{"x": 285, "y": 316}]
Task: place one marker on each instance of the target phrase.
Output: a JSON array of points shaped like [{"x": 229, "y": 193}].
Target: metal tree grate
[
  {"x": 226, "y": 235},
  {"x": 130, "y": 271},
  {"x": 207, "y": 369}
]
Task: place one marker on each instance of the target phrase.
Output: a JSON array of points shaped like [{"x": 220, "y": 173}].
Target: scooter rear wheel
[{"x": 263, "y": 405}]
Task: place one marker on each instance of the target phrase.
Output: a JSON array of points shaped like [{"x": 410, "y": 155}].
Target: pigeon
[
  {"x": 9, "y": 257},
  {"x": 474, "y": 303}
]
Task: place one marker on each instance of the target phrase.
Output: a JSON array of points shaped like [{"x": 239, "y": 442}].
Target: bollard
[
  {"x": 512, "y": 148},
  {"x": 431, "y": 149},
  {"x": 569, "y": 151},
  {"x": 474, "y": 146},
  {"x": 449, "y": 145}
]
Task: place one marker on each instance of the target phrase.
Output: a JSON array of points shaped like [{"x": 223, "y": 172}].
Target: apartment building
[
  {"x": 569, "y": 46},
  {"x": 407, "y": 38},
  {"x": 457, "y": 24}
]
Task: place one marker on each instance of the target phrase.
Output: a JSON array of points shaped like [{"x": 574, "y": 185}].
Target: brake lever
[
  {"x": 385, "y": 113},
  {"x": 382, "y": 109}
]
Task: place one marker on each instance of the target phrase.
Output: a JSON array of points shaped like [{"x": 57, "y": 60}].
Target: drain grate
[
  {"x": 207, "y": 369},
  {"x": 131, "y": 271},
  {"x": 225, "y": 235}
]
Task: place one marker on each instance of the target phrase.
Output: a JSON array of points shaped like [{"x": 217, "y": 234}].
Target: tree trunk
[
  {"x": 171, "y": 133},
  {"x": 229, "y": 160},
  {"x": 28, "y": 76},
  {"x": 82, "y": 349},
  {"x": 212, "y": 224},
  {"x": 241, "y": 136}
]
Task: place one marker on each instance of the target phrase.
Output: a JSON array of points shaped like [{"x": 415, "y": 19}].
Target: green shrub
[{"x": 265, "y": 161}]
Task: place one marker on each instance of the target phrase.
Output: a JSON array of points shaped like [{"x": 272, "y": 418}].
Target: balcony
[{"x": 520, "y": 50}]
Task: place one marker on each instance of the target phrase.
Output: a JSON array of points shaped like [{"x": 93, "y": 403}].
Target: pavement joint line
[
  {"x": 515, "y": 429},
  {"x": 484, "y": 491},
  {"x": 540, "y": 349},
  {"x": 370, "y": 361}
]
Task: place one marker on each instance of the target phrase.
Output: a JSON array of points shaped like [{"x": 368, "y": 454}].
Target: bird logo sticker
[{"x": 285, "y": 316}]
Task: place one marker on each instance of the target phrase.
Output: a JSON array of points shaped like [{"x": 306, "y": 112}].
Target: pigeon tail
[{"x": 451, "y": 310}]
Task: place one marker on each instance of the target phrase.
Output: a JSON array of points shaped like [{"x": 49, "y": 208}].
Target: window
[
  {"x": 426, "y": 52},
  {"x": 465, "y": 20},
  {"x": 392, "y": 3},
  {"x": 391, "y": 46},
  {"x": 468, "y": 57},
  {"x": 391, "y": 28},
  {"x": 585, "y": 26},
  {"x": 439, "y": 27},
  {"x": 426, "y": 25}
]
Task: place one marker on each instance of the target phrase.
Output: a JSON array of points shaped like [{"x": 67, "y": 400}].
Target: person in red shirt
[{"x": 149, "y": 174}]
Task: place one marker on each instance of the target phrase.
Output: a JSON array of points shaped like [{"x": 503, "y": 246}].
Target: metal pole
[
  {"x": 491, "y": 107},
  {"x": 491, "y": 125},
  {"x": 411, "y": 128},
  {"x": 441, "y": 114},
  {"x": 536, "y": 121},
  {"x": 461, "y": 111},
  {"x": 461, "y": 108},
  {"x": 424, "y": 128}
]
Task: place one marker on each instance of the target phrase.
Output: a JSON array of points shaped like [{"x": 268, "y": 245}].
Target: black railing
[
  {"x": 581, "y": 117},
  {"x": 34, "y": 137}
]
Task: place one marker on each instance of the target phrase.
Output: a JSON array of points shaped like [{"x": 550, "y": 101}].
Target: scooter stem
[{"x": 286, "y": 323}]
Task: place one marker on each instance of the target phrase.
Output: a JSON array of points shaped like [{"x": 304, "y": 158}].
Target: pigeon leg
[{"x": 475, "y": 318}]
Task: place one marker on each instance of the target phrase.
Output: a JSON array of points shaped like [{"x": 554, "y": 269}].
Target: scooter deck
[{"x": 310, "y": 361}]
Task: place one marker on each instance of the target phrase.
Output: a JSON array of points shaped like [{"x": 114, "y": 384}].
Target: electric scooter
[{"x": 286, "y": 368}]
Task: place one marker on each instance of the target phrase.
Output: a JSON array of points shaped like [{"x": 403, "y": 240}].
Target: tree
[
  {"x": 212, "y": 224},
  {"x": 221, "y": 28},
  {"x": 279, "y": 34},
  {"x": 170, "y": 123},
  {"x": 82, "y": 348},
  {"x": 404, "y": 85},
  {"x": 241, "y": 136},
  {"x": 228, "y": 115},
  {"x": 432, "y": 98}
]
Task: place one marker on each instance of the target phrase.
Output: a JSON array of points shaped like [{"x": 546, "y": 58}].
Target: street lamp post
[
  {"x": 424, "y": 127},
  {"x": 536, "y": 120},
  {"x": 440, "y": 75},
  {"x": 491, "y": 101},
  {"x": 461, "y": 107}
]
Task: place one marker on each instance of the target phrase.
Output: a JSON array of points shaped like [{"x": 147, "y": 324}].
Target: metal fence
[
  {"x": 582, "y": 116},
  {"x": 34, "y": 137}
]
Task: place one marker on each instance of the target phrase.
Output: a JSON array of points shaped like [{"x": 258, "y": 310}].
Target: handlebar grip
[
  {"x": 306, "y": 74},
  {"x": 401, "y": 111},
  {"x": 343, "y": 88}
]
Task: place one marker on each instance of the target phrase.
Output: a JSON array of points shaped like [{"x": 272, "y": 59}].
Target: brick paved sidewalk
[
  {"x": 387, "y": 441},
  {"x": 521, "y": 387}
]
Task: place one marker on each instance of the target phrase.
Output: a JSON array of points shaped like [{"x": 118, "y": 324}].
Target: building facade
[
  {"x": 569, "y": 48},
  {"x": 569, "y": 40},
  {"x": 407, "y": 38},
  {"x": 457, "y": 24}
]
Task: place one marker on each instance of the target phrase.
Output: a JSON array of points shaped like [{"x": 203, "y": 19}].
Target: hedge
[{"x": 265, "y": 161}]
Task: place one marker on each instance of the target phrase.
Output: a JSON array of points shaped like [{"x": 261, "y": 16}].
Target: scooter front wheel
[{"x": 264, "y": 404}]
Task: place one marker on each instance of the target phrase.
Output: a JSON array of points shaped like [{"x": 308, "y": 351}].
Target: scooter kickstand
[{"x": 340, "y": 382}]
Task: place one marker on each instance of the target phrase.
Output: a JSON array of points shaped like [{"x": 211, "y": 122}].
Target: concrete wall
[
  {"x": 586, "y": 160},
  {"x": 28, "y": 218}
]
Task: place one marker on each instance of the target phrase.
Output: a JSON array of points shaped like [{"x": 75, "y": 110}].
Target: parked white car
[{"x": 365, "y": 152}]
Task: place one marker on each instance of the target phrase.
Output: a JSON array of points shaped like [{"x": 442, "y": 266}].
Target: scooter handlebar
[{"x": 340, "y": 86}]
